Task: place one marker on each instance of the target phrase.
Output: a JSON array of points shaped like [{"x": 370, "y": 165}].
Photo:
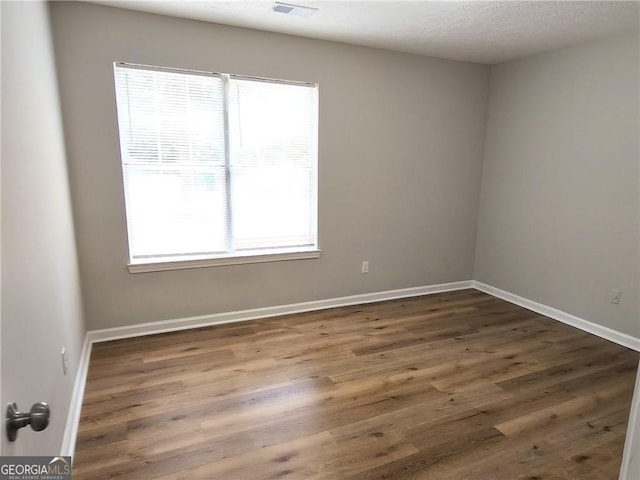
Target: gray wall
[
  {"x": 400, "y": 152},
  {"x": 41, "y": 303},
  {"x": 558, "y": 219}
]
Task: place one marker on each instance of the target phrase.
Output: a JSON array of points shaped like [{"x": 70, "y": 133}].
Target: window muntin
[{"x": 215, "y": 165}]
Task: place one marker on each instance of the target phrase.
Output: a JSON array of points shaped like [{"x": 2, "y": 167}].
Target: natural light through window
[{"x": 216, "y": 167}]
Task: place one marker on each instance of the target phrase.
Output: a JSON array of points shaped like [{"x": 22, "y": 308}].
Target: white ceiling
[{"x": 478, "y": 31}]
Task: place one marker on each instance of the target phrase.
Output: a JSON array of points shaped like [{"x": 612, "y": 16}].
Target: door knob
[{"x": 38, "y": 418}]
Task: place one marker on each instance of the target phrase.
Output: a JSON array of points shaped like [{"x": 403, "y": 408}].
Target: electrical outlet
[
  {"x": 365, "y": 266},
  {"x": 615, "y": 296},
  {"x": 65, "y": 365}
]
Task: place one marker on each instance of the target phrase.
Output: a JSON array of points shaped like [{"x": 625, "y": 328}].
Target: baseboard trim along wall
[
  {"x": 75, "y": 408},
  {"x": 564, "y": 317},
  {"x": 96, "y": 336},
  {"x": 245, "y": 315}
]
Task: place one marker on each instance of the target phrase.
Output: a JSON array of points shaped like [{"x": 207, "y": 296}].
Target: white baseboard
[
  {"x": 244, "y": 315},
  {"x": 77, "y": 395},
  {"x": 564, "y": 317}
]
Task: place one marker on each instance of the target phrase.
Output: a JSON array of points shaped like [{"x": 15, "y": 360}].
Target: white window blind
[{"x": 216, "y": 165}]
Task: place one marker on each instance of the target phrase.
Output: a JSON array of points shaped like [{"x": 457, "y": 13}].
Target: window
[{"x": 217, "y": 168}]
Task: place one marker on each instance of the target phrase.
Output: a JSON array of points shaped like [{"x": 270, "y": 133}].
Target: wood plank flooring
[{"x": 451, "y": 386}]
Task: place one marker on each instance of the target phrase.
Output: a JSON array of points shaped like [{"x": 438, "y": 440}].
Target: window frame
[{"x": 236, "y": 257}]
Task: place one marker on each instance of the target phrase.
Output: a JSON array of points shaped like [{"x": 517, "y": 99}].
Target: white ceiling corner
[{"x": 477, "y": 31}]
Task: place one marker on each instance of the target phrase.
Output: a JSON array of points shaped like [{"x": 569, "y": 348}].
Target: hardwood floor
[{"x": 451, "y": 386}]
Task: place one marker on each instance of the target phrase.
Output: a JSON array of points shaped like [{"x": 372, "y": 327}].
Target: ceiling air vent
[{"x": 298, "y": 10}]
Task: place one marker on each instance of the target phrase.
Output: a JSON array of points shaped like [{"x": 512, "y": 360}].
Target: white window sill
[{"x": 186, "y": 263}]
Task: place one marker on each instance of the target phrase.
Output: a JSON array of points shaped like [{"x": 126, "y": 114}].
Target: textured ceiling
[{"x": 478, "y": 31}]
